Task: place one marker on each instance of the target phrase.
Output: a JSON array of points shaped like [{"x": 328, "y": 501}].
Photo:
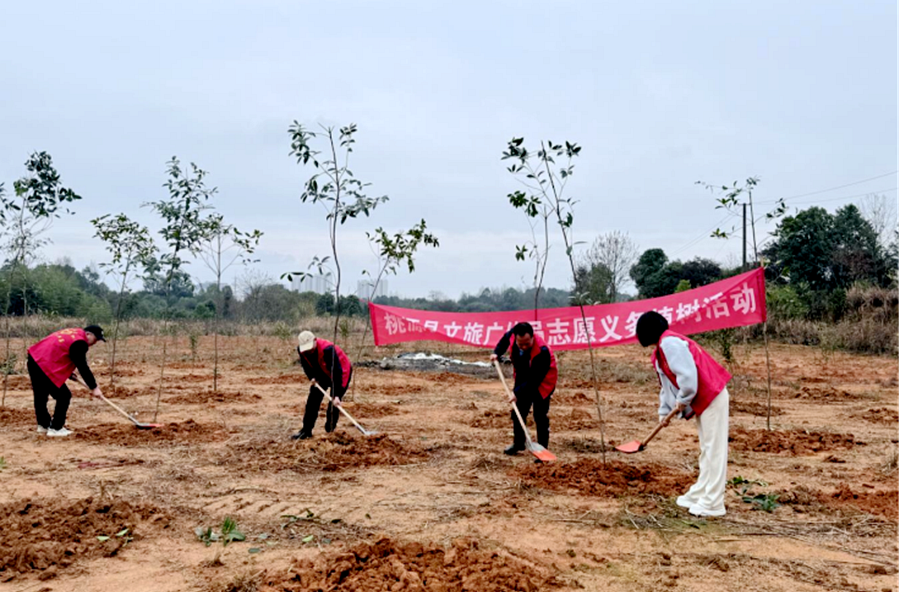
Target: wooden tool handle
[
  {"x": 342, "y": 410},
  {"x": 79, "y": 380},
  {"x": 659, "y": 426},
  {"x": 514, "y": 406}
]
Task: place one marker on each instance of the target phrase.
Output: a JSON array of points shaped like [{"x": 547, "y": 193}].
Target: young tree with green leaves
[
  {"x": 39, "y": 199},
  {"x": 393, "y": 252},
  {"x": 222, "y": 246},
  {"x": 730, "y": 198},
  {"x": 182, "y": 233},
  {"x": 132, "y": 251},
  {"x": 547, "y": 184},
  {"x": 334, "y": 187},
  {"x": 538, "y": 213}
]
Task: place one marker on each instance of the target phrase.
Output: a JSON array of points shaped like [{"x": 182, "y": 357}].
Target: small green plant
[
  {"x": 767, "y": 502},
  {"x": 122, "y": 535},
  {"x": 2, "y": 463},
  {"x": 345, "y": 329},
  {"x": 742, "y": 487},
  {"x": 194, "y": 336},
  {"x": 283, "y": 331},
  {"x": 228, "y": 533},
  {"x": 8, "y": 366}
]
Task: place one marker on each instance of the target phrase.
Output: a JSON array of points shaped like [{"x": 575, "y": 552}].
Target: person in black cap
[{"x": 51, "y": 362}]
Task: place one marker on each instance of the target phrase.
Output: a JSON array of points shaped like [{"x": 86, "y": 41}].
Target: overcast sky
[{"x": 659, "y": 94}]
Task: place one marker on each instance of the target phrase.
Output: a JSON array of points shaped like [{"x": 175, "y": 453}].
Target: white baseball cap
[{"x": 306, "y": 340}]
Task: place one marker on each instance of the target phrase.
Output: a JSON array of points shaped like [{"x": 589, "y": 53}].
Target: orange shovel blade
[
  {"x": 541, "y": 453},
  {"x": 629, "y": 447}
]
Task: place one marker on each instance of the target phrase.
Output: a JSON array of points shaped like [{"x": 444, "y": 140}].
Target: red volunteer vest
[
  {"x": 321, "y": 344},
  {"x": 711, "y": 376},
  {"x": 549, "y": 383},
  {"x": 51, "y": 354}
]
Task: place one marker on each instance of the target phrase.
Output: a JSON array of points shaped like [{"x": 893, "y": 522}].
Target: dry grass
[{"x": 889, "y": 466}]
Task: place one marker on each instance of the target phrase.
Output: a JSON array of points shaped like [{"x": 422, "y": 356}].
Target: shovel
[
  {"x": 636, "y": 446},
  {"x": 364, "y": 431},
  {"x": 137, "y": 424},
  {"x": 541, "y": 453}
]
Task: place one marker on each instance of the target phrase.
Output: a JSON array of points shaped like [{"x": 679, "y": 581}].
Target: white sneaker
[
  {"x": 58, "y": 433},
  {"x": 686, "y": 501},
  {"x": 698, "y": 510},
  {"x": 41, "y": 430}
]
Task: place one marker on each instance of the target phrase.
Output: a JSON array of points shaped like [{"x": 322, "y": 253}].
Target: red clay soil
[
  {"x": 881, "y": 415},
  {"x": 388, "y": 565},
  {"x": 878, "y": 503},
  {"x": 361, "y": 411},
  {"x": 792, "y": 443},
  {"x": 175, "y": 379},
  {"x": 47, "y": 535},
  {"x": 492, "y": 419},
  {"x": 824, "y": 394},
  {"x": 881, "y": 503},
  {"x": 752, "y": 408},
  {"x": 207, "y": 397},
  {"x": 17, "y": 383},
  {"x": 283, "y": 379},
  {"x": 573, "y": 419},
  {"x": 10, "y": 417},
  {"x": 338, "y": 451},
  {"x": 126, "y": 434},
  {"x": 614, "y": 479}
]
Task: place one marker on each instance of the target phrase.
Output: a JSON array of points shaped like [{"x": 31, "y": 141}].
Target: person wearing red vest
[
  {"x": 325, "y": 364},
  {"x": 534, "y": 368},
  {"x": 51, "y": 362},
  {"x": 695, "y": 385}
]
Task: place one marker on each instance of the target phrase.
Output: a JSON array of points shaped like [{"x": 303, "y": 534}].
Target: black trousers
[
  {"x": 314, "y": 401},
  {"x": 44, "y": 388},
  {"x": 541, "y": 408}
]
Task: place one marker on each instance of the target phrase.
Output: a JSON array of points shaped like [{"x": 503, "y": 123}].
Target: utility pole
[{"x": 744, "y": 260}]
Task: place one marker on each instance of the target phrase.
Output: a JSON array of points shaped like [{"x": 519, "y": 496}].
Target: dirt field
[{"x": 431, "y": 503}]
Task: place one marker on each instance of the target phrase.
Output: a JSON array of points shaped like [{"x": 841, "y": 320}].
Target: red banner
[{"x": 734, "y": 302}]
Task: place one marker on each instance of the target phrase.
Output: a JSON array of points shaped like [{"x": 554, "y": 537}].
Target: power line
[
  {"x": 830, "y": 188},
  {"x": 818, "y": 201},
  {"x": 699, "y": 238}
]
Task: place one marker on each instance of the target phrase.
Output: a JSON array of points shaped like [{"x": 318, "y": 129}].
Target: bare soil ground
[{"x": 431, "y": 503}]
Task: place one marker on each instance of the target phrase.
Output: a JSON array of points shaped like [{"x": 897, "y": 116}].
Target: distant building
[
  {"x": 364, "y": 289},
  {"x": 319, "y": 284}
]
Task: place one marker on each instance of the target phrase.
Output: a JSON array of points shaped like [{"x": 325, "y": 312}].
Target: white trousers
[{"x": 712, "y": 428}]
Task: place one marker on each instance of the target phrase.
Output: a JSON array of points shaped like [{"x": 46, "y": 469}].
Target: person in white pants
[{"x": 693, "y": 384}]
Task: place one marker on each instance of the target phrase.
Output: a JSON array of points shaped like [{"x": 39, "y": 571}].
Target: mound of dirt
[
  {"x": 18, "y": 382},
  {"x": 10, "y": 417},
  {"x": 615, "y": 478},
  {"x": 389, "y": 565},
  {"x": 752, "y": 408},
  {"x": 282, "y": 379},
  {"x": 878, "y": 503},
  {"x": 48, "y": 535},
  {"x": 337, "y": 451},
  {"x": 208, "y": 397},
  {"x": 793, "y": 443},
  {"x": 367, "y": 410},
  {"x": 881, "y": 415},
  {"x": 491, "y": 419},
  {"x": 826, "y": 394},
  {"x": 571, "y": 420},
  {"x": 123, "y": 434}
]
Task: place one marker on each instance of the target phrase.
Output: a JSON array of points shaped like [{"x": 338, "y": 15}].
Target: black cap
[{"x": 96, "y": 330}]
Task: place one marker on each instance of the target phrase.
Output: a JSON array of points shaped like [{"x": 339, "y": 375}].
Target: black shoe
[
  {"x": 330, "y": 424},
  {"x": 301, "y": 435},
  {"x": 513, "y": 450}
]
